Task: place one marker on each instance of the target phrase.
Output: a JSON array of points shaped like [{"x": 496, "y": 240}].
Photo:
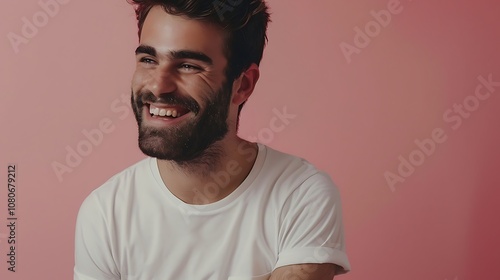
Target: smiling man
[{"x": 206, "y": 204}]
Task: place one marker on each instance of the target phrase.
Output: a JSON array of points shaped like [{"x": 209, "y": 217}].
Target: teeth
[{"x": 163, "y": 112}]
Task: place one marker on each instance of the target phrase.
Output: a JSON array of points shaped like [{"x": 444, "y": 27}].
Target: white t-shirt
[{"x": 285, "y": 212}]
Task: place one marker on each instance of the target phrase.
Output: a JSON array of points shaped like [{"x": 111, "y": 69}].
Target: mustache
[{"x": 170, "y": 99}]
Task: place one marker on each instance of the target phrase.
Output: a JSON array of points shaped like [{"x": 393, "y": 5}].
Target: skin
[
  {"x": 304, "y": 272},
  {"x": 163, "y": 74}
]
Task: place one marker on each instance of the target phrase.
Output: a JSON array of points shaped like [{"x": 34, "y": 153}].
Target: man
[{"x": 206, "y": 204}]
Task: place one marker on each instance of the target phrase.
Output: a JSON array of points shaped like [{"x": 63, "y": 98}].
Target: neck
[
  {"x": 216, "y": 173},
  {"x": 208, "y": 161}
]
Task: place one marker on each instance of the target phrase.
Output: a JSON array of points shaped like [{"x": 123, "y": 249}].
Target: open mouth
[{"x": 167, "y": 112}]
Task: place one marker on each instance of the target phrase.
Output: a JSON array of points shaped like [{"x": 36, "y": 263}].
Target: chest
[{"x": 175, "y": 243}]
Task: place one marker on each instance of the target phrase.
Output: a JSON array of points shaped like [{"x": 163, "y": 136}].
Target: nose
[{"x": 162, "y": 82}]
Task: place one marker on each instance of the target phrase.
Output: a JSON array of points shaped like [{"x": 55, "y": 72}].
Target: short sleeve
[
  {"x": 311, "y": 227},
  {"x": 93, "y": 254}
]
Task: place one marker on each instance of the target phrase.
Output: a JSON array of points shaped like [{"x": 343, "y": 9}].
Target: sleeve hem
[{"x": 314, "y": 255}]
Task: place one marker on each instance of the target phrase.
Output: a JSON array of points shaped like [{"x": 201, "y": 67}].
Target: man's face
[{"x": 179, "y": 93}]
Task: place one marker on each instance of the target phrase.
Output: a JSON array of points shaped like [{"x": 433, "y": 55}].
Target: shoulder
[
  {"x": 295, "y": 172},
  {"x": 127, "y": 176},
  {"x": 122, "y": 183},
  {"x": 290, "y": 182}
]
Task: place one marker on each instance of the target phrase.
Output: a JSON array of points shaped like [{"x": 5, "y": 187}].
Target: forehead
[{"x": 166, "y": 32}]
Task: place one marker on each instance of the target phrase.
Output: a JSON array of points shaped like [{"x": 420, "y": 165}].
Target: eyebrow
[
  {"x": 143, "y": 49},
  {"x": 180, "y": 54}
]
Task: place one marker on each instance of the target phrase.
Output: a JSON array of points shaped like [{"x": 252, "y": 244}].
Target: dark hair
[{"x": 244, "y": 22}]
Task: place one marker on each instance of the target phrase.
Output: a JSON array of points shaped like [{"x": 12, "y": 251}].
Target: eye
[
  {"x": 189, "y": 68},
  {"x": 147, "y": 60}
]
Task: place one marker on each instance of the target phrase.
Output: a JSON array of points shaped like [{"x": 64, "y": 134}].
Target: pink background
[{"x": 352, "y": 119}]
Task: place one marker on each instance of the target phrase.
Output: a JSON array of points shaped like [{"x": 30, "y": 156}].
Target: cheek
[
  {"x": 139, "y": 79},
  {"x": 196, "y": 88}
]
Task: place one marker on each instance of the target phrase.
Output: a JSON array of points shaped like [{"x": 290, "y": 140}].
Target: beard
[{"x": 192, "y": 139}]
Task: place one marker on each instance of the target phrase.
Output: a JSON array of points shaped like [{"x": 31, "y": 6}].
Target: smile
[{"x": 168, "y": 112}]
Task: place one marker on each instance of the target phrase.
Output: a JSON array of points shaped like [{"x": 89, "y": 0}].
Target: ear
[{"x": 244, "y": 85}]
